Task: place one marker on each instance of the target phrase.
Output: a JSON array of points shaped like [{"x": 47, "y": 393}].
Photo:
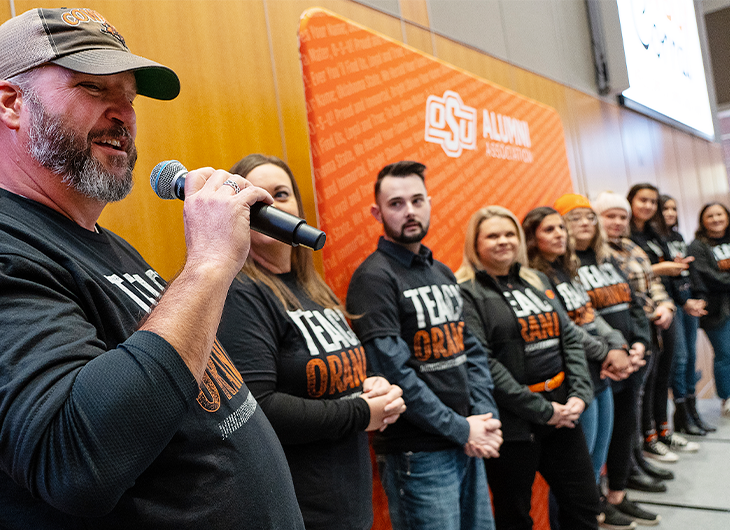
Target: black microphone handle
[
  {"x": 168, "y": 182},
  {"x": 285, "y": 227}
]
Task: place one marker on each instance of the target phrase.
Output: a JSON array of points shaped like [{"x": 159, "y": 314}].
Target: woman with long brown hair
[
  {"x": 648, "y": 230},
  {"x": 550, "y": 250},
  {"x": 689, "y": 308},
  {"x": 287, "y": 334}
]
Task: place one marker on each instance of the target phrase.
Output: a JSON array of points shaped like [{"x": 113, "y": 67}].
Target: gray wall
[{"x": 548, "y": 37}]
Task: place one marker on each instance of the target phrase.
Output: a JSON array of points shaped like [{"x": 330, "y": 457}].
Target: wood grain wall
[{"x": 242, "y": 92}]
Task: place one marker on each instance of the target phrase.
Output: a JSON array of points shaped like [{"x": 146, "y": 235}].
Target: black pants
[
  {"x": 561, "y": 456},
  {"x": 656, "y": 389},
  {"x": 625, "y": 431}
]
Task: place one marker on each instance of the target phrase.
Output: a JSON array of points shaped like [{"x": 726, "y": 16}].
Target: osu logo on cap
[{"x": 451, "y": 123}]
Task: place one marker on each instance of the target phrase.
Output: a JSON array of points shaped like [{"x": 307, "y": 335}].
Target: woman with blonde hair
[
  {"x": 541, "y": 382},
  {"x": 287, "y": 334}
]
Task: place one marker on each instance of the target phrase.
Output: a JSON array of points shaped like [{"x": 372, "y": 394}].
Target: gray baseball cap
[{"x": 81, "y": 40}]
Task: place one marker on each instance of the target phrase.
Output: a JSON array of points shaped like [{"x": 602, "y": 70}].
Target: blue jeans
[
  {"x": 720, "y": 340},
  {"x": 439, "y": 490},
  {"x": 684, "y": 375},
  {"x": 597, "y": 422}
]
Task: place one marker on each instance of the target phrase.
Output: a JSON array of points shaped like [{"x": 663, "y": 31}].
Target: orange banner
[{"x": 372, "y": 101}]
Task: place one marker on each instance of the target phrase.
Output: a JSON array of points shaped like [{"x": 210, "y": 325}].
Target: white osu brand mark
[{"x": 451, "y": 123}]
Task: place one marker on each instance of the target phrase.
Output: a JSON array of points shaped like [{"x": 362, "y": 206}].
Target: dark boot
[
  {"x": 649, "y": 468},
  {"x": 691, "y": 402},
  {"x": 640, "y": 481},
  {"x": 683, "y": 422}
]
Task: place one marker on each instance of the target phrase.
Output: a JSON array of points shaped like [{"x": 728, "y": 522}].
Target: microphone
[{"x": 168, "y": 181}]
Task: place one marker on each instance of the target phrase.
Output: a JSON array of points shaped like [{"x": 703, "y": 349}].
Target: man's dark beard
[
  {"x": 56, "y": 147},
  {"x": 403, "y": 239}
]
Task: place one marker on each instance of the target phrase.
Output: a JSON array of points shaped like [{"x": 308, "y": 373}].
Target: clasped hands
[
  {"x": 566, "y": 415},
  {"x": 385, "y": 402},
  {"x": 619, "y": 364},
  {"x": 485, "y": 436}
]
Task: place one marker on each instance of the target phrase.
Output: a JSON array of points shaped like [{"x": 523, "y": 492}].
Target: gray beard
[{"x": 55, "y": 146}]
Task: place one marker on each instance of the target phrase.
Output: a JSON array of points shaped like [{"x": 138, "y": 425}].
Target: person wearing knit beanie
[
  {"x": 607, "y": 200},
  {"x": 569, "y": 202}
]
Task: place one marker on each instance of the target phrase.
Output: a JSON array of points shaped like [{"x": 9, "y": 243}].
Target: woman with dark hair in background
[
  {"x": 683, "y": 376},
  {"x": 711, "y": 250},
  {"x": 648, "y": 229},
  {"x": 286, "y": 333},
  {"x": 612, "y": 298},
  {"x": 541, "y": 382}
]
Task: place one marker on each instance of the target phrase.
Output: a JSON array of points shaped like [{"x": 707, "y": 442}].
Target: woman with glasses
[
  {"x": 541, "y": 382},
  {"x": 612, "y": 297},
  {"x": 286, "y": 333}
]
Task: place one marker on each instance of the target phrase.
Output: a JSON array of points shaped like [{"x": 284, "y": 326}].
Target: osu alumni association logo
[{"x": 451, "y": 123}]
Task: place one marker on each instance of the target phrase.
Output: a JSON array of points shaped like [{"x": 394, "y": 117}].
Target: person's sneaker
[
  {"x": 726, "y": 407},
  {"x": 658, "y": 451},
  {"x": 614, "y": 519},
  {"x": 639, "y": 515},
  {"x": 677, "y": 442}
]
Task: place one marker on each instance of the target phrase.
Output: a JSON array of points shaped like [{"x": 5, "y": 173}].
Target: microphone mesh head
[{"x": 163, "y": 177}]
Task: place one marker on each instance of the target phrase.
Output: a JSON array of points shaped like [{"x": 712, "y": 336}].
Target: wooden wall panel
[
  {"x": 638, "y": 149},
  {"x": 704, "y": 170},
  {"x": 666, "y": 167},
  {"x": 473, "y": 61},
  {"x": 600, "y": 143},
  {"x": 690, "y": 199},
  {"x": 719, "y": 171},
  {"x": 418, "y": 38},
  {"x": 5, "y": 12},
  {"x": 415, "y": 11}
]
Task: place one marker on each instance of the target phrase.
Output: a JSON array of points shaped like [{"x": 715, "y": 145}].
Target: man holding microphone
[{"x": 118, "y": 408}]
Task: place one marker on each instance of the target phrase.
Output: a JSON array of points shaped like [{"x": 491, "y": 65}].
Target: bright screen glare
[{"x": 664, "y": 61}]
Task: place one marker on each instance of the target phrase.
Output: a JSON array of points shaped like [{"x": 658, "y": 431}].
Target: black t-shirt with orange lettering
[
  {"x": 306, "y": 368},
  {"x": 580, "y": 310},
  {"x": 103, "y": 425},
  {"x": 396, "y": 293},
  {"x": 611, "y": 296},
  {"x": 539, "y": 329}
]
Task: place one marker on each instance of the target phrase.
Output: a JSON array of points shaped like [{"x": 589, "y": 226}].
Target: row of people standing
[
  {"x": 552, "y": 336},
  {"x": 549, "y": 250},
  {"x": 288, "y": 336}
]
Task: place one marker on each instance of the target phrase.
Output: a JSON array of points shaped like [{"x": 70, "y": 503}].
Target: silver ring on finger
[{"x": 233, "y": 185}]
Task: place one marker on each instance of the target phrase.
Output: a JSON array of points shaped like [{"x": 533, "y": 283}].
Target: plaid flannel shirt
[{"x": 635, "y": 264}]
